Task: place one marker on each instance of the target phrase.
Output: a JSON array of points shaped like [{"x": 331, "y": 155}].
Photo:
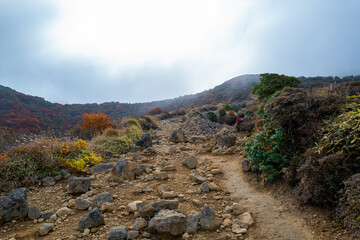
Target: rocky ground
[{"x": 188, "y": 185}]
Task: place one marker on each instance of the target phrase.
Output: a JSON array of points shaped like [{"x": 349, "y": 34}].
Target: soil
[{"x": 276, "y": 213}]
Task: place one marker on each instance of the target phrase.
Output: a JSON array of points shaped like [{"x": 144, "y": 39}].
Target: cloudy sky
[{"x": 84, "y": 51}]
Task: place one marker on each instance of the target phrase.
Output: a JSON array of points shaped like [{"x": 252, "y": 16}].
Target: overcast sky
[{"x": 85, "y": 51}]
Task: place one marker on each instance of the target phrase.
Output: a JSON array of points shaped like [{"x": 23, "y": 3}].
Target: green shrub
[
  {"x": 222, "y": 112},
  {"x": 111, "y": 132},
  {"x": 212, "y": 116},
  {"x": 228, "y": 107},
  {"x": 270, "y": 83},
  {"x": 263, "y": 150}
]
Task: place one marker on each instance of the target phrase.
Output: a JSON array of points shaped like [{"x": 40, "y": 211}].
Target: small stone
[
  {"x": 216, "y": 171},
  {"x": 169, "y": 168},
  {"x": 48, "y": 181},
  {"x": 197, "y": 178},
  {"x": 131, "y": 207},
  {"x": 102, "y": 198},
  {"x": 170, "y": 194},
  {"x": 190, "y": 162},
  {"x": 107, "y": 207},
  {"x": 245, "y": 164},
  {"x": 34, "y": 212},
  {"x": 209, "y": 220},
  {"x": 82, "y": 204},
  {"x": 117, "y": 233},
  {"x": 64, "y": 211},
  {"x": 246, "y": 219},
  {"x": 139, "y": 224},
  {"x": 86, "y": 232},
  {"x": 46, "y": 228},
  {"x": 94, "y": 218},
  {"x": 237, "y": 209},
  {"x": 237, "y": 229},
  {"x": 78, "y": 185},
  {"x": 185, "y": 236},
  {"x": 71, "y": 203},
  {"x": 132, "y": 235},
  {"x": 214, "y": 187},
  {"x": 204, "y": 187},
  {"x": 47, "y": 215},
  {"x": 162, "y": 176}
]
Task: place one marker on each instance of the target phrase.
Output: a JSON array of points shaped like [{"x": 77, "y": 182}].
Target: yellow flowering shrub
[{"x": 80, "y": 144}]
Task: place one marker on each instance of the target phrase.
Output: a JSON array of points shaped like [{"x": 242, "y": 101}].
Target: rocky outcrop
[{"x": 15, "y": 206}]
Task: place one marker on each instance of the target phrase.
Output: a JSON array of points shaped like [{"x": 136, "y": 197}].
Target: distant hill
[{"x": 21, "y": 112}]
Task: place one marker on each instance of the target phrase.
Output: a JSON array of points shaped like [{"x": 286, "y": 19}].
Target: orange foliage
[
  {"x": 97, "y": 122},
  {"x": 3, "y": 158}
]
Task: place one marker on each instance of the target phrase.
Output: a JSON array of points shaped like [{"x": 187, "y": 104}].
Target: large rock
[
  {"x": 34, "y": 212},
  {"x": 168, "y": 222},
  {"x": 177, "y": 136},
  {"x": 102, "y": 198},
  {"x": 124, "y": 169},
  {"x": 225, "y": 140},
  {"x": 15, "y": 206},
  {"x": 149, "y": 208},
  {"x": 190, "y": 162},
  {"x": 192, "y": 222},
  {"x": 94, "y": 218},
  {"x": 79, "y": 184},
  {"x": 101, "y": 168},
  {"x": 117, "y": 233},
  {"x": 208, "y": 219},
  {"x": 131, "y": 207},
  {"x": 145, "y": 141}
]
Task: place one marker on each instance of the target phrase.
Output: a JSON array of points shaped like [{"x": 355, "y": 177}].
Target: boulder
[
  {"x": 149, "y": 208},
  {"x": 94, "y": 218},
  {"x": 102, "y": 198},
  {"x": 177, "y": 136},
  {"x": 132, "y": 235},
  {"x": 101, "y": 168},
  {"x": 131, "y": 207},
  {"x": 47, "y": 215},
  {"x": 14, "y": 206},
  {"x": 208, "y": 219},
  {"x": 145, "y": 141},
  {"x": 190, "y": 162},
  {"x": 168, "y": 222},
  {"x": 78, "y": 184},
  {"x": 225, "y": 140},
  {"x": 117, "y": 233}
]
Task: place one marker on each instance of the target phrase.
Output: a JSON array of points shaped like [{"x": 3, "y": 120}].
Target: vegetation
[
  {"x": 212, "y": 117},
  {"x": 270, "y": 83},
  {"x": 95, "y": 122}
]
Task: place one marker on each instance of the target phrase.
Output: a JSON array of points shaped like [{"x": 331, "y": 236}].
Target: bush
[
  {"x": 148, "y": 122},
  {"x": 212, "y": 117},
  {"x": 96, "y": 122},
  {"x": 270, "y": 83},
  {"x": 228, "y": 107},
  {"x": 263, "y": 150},
  {"x": 155, "y": 111},
  {"x": 29, "y": 163},
  {"x": 222, "y": 112},
  {"x": 111, "y": 132}
]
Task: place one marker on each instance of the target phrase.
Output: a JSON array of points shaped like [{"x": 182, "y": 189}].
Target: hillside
[
  {"x": 21, "y": 112},
  {"x": 25, "y": 113}
]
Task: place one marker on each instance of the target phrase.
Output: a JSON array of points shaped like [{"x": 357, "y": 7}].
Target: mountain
[{"x": 21, "y": 112}]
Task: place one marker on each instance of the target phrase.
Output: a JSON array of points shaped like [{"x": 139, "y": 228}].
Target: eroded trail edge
[{"x": 273, "y": 220}]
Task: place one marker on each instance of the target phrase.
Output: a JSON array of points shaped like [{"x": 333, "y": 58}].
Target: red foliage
[
  {"x": 231, "y": 113},
  {"x": 155, "y": 111}
]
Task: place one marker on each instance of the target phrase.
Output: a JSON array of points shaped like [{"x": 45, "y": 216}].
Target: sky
[{"x": 94, "y": 51}]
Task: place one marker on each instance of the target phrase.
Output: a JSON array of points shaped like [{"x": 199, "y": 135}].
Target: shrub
[
  {"x": 111, "y": 132},
  {"x": 212, "y": 117},
  {"x": 148, "y": 122},
  {"x": 222, "y": 112},
  {"x": 270, "y": 83},
  {"x": 263, "y": 150},
  {"x": 155, "y": 111},
  {"x": 228, "y": 107},
  {"x": 96, "y": 122}
]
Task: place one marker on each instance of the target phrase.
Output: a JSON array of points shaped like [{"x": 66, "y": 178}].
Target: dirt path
[{"x": 273, "y": 220}]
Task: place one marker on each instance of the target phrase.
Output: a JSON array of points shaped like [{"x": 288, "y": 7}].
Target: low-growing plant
[
  {"x": 263, "y": 150},
  {"x": 111, "y": 132},
  {"x": 222, "y": 112},
  {"x": 212, "y": 117},
  {"x": 228, "y": 107}
]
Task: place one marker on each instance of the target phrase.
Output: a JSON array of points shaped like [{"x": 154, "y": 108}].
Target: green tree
[{"x": 272, "y": 82}]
